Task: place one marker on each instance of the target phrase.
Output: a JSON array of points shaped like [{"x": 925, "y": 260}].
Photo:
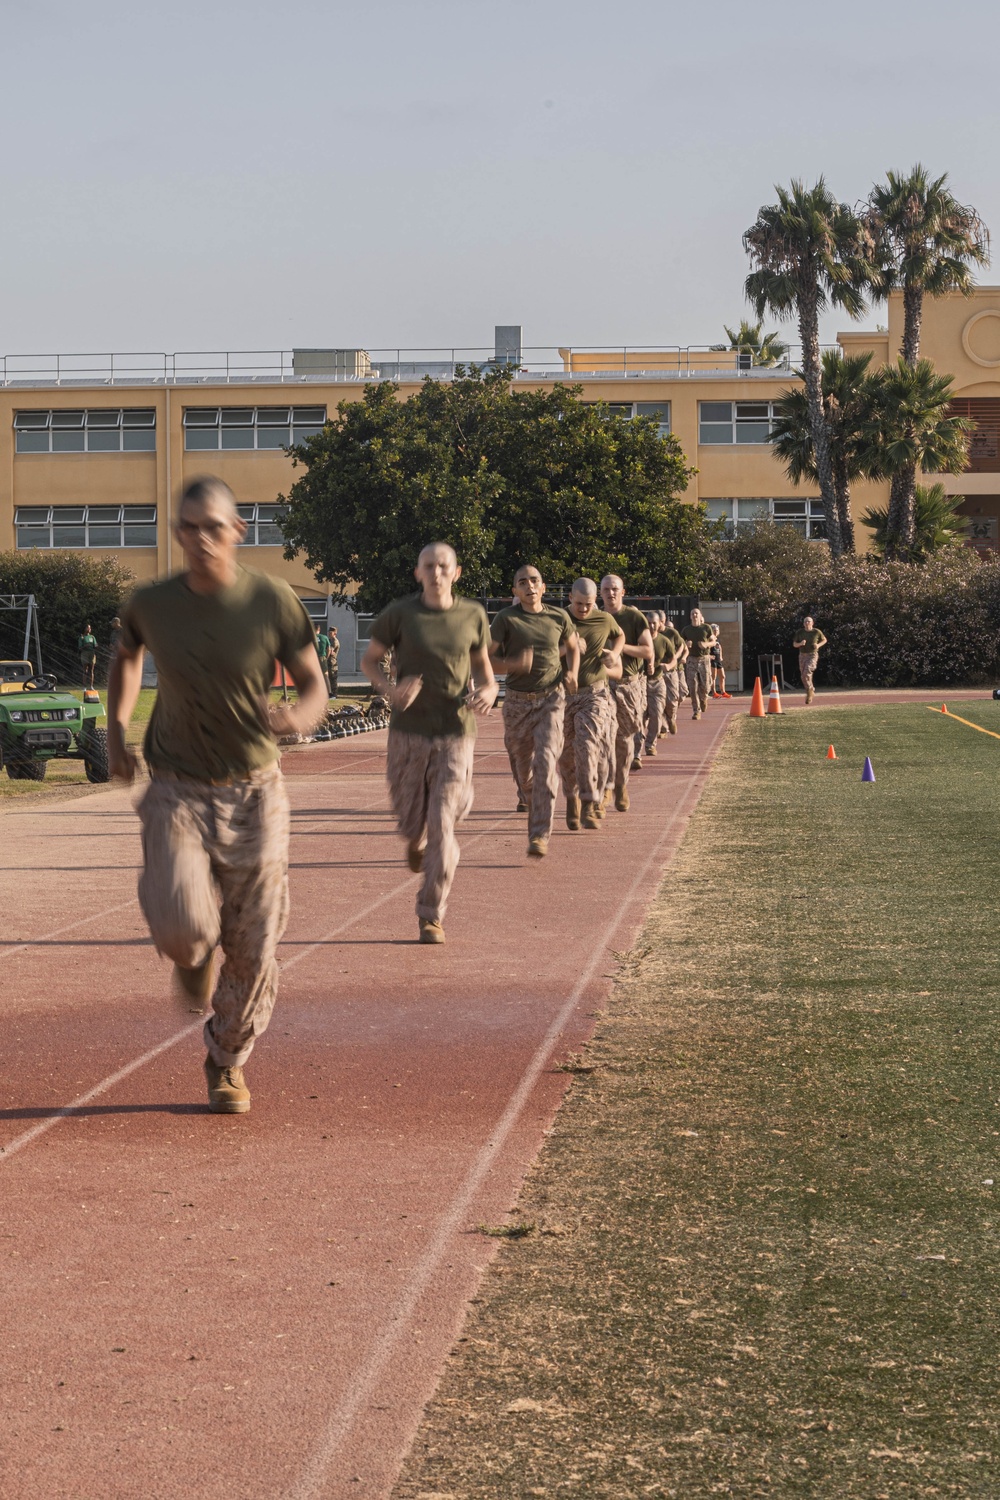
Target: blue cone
[{"x": 868, "y": 774}]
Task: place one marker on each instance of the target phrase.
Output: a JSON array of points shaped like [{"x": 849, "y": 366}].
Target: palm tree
[
  {"x": 925, "y": 244},
  {"x": 848, "y": 414},
  {"x": 750, "y": 338},
  {"x": 938, "y": 523},
  {"x": 809, "y": 252}
]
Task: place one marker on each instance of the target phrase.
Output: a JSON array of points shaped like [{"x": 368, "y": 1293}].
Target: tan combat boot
[
  {"x": 573, "y": 813},
  {"x": 621, "y": 799},
  {"x": 415, "y": 858},
  {"x": 430, "y": 931},
  {"x": 227, "y": 1090},
  {"x": 590, "y": 816},
  {"x": 538, "y": 848},
  {"x": 193, "y": 987}
]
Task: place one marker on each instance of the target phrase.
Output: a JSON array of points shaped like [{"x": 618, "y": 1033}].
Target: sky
[{"x": 221, "y": 175}]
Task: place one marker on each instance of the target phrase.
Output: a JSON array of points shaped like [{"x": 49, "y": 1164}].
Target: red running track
[{"x": 208, "y": 1306}]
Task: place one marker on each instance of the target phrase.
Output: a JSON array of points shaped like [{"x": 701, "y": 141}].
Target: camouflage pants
[
  {"x": 584, "y": 760},
  {"x": 698, "y": 672},
  {"x": 672, "y": 678},
  {"x": 656, "y": 703},
  {"x": 808, "y": 662},
  {"x": 430, "y": 787},
  {"x": 533, "y": 738},
  {"x": 630, "y": 708},
  {"x": 215, "y": 871}
]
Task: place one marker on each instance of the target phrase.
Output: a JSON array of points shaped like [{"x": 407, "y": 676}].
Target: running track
[{"x": 258, "y": 1306}]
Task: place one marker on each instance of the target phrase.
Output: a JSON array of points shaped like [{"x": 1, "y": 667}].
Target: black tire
[
  {"x": 95, "y": 751},
  {"x": 21, "y": 768}
]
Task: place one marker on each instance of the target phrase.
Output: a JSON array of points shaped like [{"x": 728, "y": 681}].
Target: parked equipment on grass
[{"x": 39, "y": 722}]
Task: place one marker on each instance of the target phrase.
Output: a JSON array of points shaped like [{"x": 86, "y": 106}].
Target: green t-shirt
[
  {"x": 514, "y": 629},
  {"x": 87, "y": 646},
  {"x": 663, "y": 654},
  {"x": 435, "y": 644},
  {"x": 810, "y": 640},
  {"x": 596, "y": 631},
  {"x": 215, "y": 656},
  {"x": 323, "y": 646},
  {"x": 701, "y": 639},
  {"x": 675, "y": 646},
  {"x": 632, "y": 623}
]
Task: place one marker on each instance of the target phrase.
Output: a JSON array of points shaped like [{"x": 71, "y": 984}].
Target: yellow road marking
[{"x": 947, "y": 714}]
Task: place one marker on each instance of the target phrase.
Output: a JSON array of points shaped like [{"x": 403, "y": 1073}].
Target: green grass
[{"x": 766, "y": 1262}]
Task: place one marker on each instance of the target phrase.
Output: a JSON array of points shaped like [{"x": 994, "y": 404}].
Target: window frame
[
  {"x": 711, "y": 429},
  {"x": 250, "y": 512},
  {"x": 41, "y": 534},
  {"x": 210, "y": 422},
  {"x": 35, "y": 430},
  {"x": 804, "y": 512}
]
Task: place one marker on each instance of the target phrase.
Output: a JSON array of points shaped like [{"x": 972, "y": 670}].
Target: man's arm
[
  {"x": 570, "y": 652},
  {"x": 483, "y": 696},
  {"x": 307, "y": 676},
  {"x": 643, "y": 647},
  {"x": 399, "y": 694},
  {"x": 124, "y": 684}
]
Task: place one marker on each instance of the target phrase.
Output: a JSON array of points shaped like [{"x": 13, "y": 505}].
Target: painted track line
[
  {"x": 339, "y": 1426},
  {"x": 946, "y": 714}
]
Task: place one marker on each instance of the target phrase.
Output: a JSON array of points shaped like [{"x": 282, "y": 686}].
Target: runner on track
[
  {"x": 541, "y": 634},
  {"x": 664, "y": 656},
  {"x": 673, "y": 675},
  {"x": 441, "y": 643},
  {"x": 807, "y": 642},
  {"x": 215, "y": 814},
  {"x": 630, "y": 692},
  {"x": 584, "y": 763},
  {"x": 699, "y": 639}
]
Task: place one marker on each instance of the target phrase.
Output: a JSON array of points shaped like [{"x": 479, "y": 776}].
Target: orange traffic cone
[
  {"x": 944, "y": 708},
  {"x": 831, "y": 754},
  {"x": 757, "y": 701},
  {"x": 774, "y": 698}
]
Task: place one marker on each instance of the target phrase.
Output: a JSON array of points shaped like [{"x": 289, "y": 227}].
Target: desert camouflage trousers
[
  {"x": 656, "y": 706},
  {"x": 585, "y": 762},
  {"x": 630, "y": 711},
  {"x": 673, "y": 679},
  {"x": 533, "y": 739},
  {"x": 698, "y": 672},
  {"x": 808, "y": 662},
  {"x": 430, "y": 788},
  {"x": 215, "y": 871}
]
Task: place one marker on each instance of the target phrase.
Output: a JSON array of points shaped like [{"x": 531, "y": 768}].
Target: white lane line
[
  {"x": 20, "y": 1141},
  {"x": 314, "y": 1474}
]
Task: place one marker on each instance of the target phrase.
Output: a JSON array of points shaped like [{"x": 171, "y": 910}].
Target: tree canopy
[
  {"x": 505, "y": 476},
  {"x": 71, "y": 590}
]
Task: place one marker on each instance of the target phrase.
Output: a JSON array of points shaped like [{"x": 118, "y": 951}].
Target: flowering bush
[{"x": 888, "y": 624}]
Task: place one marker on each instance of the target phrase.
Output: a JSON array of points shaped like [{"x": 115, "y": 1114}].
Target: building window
[
  {"x": 805, "y": 515},
  {"x": 735, "y": 421},
  {"x": 132, "y": 430},
  {"x": 262, "y": 525},
  {"x": 274, "y": 427},
  {"x": 85, "y": 526},
  {"x": 658, "y": 410}
]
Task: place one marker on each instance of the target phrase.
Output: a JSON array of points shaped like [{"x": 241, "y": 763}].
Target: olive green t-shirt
[
  {"x": 596, "y": 631},
  {"x": 701, "y": 639},
  {"x": 514, "y": 629},
  {"x": 632, "y": 622},
  {"x": 675, "y": 642},
  {"x": 663, "y": 654},
  {"x": 215, "y": 656},
  {"x": 810, "y": 640},
  {"x": 435, "y": 644},
  {"x": 323, "y": 646}
]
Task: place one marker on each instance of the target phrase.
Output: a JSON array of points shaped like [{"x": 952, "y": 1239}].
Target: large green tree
[
  {"x": 809, "y": 252},
  {"x": 925, "y": 243},
  {"x": 71, "y": 590},
  {"x": 503, "y": 474}
]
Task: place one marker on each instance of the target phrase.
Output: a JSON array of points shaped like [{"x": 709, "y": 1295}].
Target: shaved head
[
  {"x": 585, "y": 587},
  {"x": 524, "y": 570},
  {"x": 434, "y": 547},
  {"x": 207, "y": 488},
  {"x": 613, "y": 580}
]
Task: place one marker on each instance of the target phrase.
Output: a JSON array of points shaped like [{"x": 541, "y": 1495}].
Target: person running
[
  {"x": 440, "y": 642},
  {"x": 664, "y": 656},
  {"x": 699, "y": 638},
  {"x": 808, "y": 643},
  {"x": 630, "y": 691},
  {"x": 323, "y": 652},
  {"x": 583, "y": 764},
  {"x": 215, "y": 814},
  {"x": 530, "y": 641},
  {"x": 87, "y": 647},
  {"x": 333, "y": 662},
  {"x": 673, "y": 675},
  {"x": 718, "y": 667}
]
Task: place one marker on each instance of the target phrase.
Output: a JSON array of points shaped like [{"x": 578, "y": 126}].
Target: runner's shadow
[{"x": 29, "y": 1112}]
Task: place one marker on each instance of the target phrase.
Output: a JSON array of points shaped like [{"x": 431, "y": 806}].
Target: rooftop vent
[{"x": 331, "y": 364}]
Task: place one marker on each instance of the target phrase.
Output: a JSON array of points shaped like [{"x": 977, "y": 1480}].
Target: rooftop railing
[{"x": 353, "y": 366}]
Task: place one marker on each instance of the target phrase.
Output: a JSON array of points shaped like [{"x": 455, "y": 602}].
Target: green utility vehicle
[{"x": 39, "y": 723}]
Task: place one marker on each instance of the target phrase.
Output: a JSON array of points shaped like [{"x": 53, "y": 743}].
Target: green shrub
[{"x": 70, "y": 588}]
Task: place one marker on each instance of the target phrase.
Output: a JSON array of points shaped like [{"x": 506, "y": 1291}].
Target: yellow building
[{"x": 93, "y": 451}]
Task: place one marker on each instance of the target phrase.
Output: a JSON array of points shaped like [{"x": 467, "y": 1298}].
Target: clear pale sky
[{"x": 255, "y": 176}]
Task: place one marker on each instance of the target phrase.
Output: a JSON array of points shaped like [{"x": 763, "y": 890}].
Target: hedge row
[{"x": 888, "y": 624}]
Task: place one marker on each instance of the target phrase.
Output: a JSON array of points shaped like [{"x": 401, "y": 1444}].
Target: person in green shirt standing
[
  {"x": 699, "y": 638},
  {"x": 443, "y": 679},
  {"x": 630, "y": 691},
  {"x": 333, "y": 665},
  {"x": 323, "y": 652},
  {"x": 585, "y": 764},
  {"x": 215, "y": 814},
  {"x": 530, "y": 641},
  {"x": 87, "y": 647},
  {"x": 808, "y": 642}
]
